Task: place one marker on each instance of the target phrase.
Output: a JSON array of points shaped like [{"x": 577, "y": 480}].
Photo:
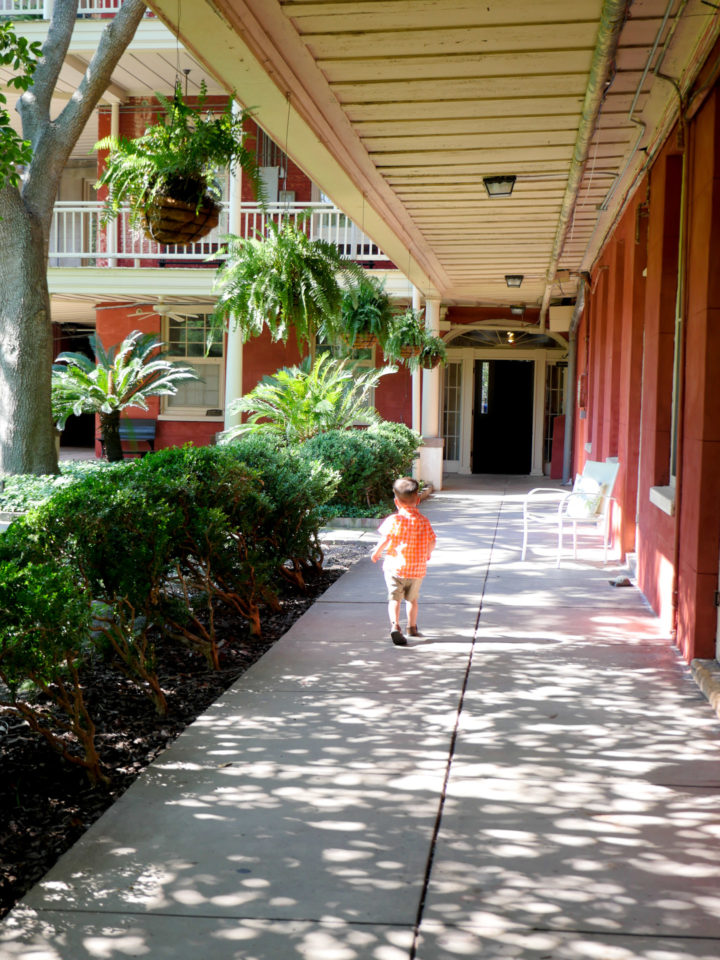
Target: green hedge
[
  {"x": 367, "y": 460},
  {"x": 116, "y": 556}
]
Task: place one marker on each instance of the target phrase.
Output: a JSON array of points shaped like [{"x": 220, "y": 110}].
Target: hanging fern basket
[{"x": 167, "y": 220}]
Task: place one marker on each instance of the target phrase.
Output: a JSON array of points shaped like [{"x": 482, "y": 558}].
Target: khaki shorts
[{"x": 402, "y": 588}]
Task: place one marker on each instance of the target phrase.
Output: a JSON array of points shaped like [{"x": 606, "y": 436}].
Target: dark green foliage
[
  {"x": 120, "y": 554},
  {"x": 284, "y": 281},
  {"x": 367, "y": 460},
  {"x": 295, "y": 488},
  {"x": 119, "y": 539},
  {"x": 45, "y": 621},
  {"x": 221, "y": 550},
  {"x": 21, "y": 57},
  {"x": 366, "y": 310}
]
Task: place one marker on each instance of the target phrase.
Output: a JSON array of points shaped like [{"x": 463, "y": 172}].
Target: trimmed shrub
[
  {"x": 119, "y": 543},
  {"x": 45, "y": 624},
  {"x": 295, "y": 489},
  {"x": 221, "y": 551},
  {"x": 367, "y": 460}
]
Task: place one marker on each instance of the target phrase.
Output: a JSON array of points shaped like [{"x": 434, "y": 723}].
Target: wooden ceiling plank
[
  {"x": 393, "y": 68},
  {"x": 516, "y": 37},
  {"x": 405, "y": 91},
  {"x": 317, "y": 17}
]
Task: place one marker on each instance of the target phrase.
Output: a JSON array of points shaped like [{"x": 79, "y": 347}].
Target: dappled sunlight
[
  {"x": 295, "y": 819},
  {"x": 117, "y": 937},
  {"x": 626, "y": 857},
  {"x": 491, "y": 938}
]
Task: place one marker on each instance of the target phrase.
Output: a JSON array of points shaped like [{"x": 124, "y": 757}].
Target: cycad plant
[
  {"x": 300, "y": 402},
  {"x": 286, "y": 281},
  {"x": 124, "y": 376}
]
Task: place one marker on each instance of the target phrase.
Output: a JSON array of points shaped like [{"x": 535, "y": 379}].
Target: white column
[
  {"x": 416, "y": 377},
  {"x": 111, "y": 230},
  {"x": 48, "y": 6},
  {"x": 234, "y": 344},
  {"x": 431, "y": 453}
]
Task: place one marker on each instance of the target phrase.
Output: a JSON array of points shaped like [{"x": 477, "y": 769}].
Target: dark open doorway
[
  {"x": 79, "y": 430},
  {"x": 502, "y": 431}
]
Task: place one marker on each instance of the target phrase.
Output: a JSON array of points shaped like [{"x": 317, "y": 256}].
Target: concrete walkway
[{"x": 538, "y": 777}]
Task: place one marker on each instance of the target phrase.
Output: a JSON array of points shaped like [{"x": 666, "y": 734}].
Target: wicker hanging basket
[
  {"x": 364, "y": 342},
  {"x": 429, "y": 363},
  {"x": 167, "y": 220},
  {"x": 408, "y": 351}
]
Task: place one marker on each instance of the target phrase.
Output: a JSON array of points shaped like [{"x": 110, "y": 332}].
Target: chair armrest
[
  {"x": 543, "y": 497},
  {"x": 552, "y": 492}
]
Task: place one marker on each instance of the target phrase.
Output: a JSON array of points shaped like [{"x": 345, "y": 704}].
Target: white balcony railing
[
  {"x": 43, "y": 8},
  {"x": 78, "y": 238}
]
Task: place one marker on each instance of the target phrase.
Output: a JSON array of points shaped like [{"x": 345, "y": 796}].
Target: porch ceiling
[{"x": 399, "y": 108}]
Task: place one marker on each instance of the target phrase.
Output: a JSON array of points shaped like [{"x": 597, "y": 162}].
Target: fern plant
[
  {"x": 406, "y": 334},
  {"x": 300, "y": 402},
  {"x": 123, "y": 376},
  {"x": 366, "y": 311},
  {"x": 178, "y": 156},
  {"x": 286, "y": 281}
]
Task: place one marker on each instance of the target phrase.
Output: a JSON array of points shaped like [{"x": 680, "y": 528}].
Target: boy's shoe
[
  {"x": 398, "y": 638},
  {"x": 413, "y": 631}
]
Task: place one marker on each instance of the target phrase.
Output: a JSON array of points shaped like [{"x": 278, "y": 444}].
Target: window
[
  {"x": 554, "y": 404},
  {"x": 192, "y": 340},
  {"x": 452, "y": 409}
]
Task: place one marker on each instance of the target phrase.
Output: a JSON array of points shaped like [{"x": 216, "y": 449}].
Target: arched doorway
[{"x": 500, "y": 398}]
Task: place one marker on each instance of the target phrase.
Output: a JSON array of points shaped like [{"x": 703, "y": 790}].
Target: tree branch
[
  {"x": 34, "y": 105},
  {"x": 53, "y": 141}
]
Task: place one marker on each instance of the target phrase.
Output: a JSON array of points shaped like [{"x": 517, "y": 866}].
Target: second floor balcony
[{"x": 78, "y": 237}]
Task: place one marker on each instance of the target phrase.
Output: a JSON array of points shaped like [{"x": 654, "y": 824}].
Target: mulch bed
[{"x": 46, "y": 804}]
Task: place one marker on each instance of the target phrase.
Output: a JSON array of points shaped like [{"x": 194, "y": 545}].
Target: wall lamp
[
  {"x": 499, "y": 186},
  {"x": 517, "y": 311},
  {"x": 514, "y": 279}
]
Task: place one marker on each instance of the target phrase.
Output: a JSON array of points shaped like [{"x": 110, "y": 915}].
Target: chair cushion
[{"x": 586, "y": 498}]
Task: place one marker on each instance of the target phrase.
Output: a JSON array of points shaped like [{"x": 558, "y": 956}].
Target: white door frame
[{"x": 467, "y": 356}]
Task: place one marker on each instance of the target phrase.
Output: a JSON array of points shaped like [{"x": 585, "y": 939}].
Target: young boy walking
[{"x": 409, "y": 540}]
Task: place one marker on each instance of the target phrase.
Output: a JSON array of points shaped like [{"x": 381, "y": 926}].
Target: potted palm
[
  {"x": 169, "y": 174},
  {"x": 284, "y": 281},
  {"x": 366, "y": 314}
]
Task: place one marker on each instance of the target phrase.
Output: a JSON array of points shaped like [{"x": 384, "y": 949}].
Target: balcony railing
[
  {"x": 43, "y": 8},
  {"x": 78, "y": 238}
]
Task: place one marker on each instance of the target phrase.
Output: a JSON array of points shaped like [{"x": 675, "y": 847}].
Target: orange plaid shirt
[{"x": 410, "y": 541}]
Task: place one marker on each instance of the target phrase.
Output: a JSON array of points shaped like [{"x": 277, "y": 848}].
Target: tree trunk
[
  {"x": 110, "y": 429},
  {"x": 27, "y": 432}
]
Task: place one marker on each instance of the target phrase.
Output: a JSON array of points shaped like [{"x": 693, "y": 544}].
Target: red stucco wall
[{"x": 625, "y": 348}]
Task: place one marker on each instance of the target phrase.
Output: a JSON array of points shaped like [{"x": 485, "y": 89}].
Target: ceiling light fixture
[
  {"x": 514, "y": 279},
  {"x": 499, "y": 186}
]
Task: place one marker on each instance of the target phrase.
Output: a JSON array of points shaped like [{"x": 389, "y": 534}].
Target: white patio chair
[{"x": 589, "y": 501}]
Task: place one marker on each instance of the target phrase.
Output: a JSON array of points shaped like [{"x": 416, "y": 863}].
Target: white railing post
[{"x": 48, "y": 7}]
